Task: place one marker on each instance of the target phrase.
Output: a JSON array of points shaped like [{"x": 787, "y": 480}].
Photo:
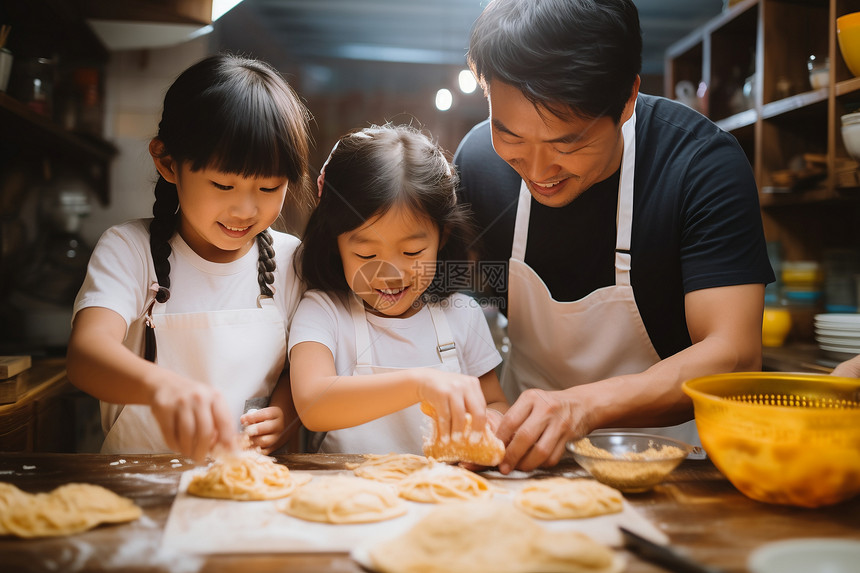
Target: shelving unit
[
  {"x": 54, "y": 29},
  {"x": 765, "y": 44}
]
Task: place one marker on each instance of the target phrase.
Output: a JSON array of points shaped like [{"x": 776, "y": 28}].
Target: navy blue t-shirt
[{"x": 696, "y": 219}]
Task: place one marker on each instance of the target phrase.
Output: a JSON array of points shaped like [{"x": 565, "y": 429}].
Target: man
[{"x": 630, "y": 223}]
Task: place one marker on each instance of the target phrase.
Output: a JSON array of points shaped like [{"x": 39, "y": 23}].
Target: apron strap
[
  {"x": 521, "y": 227},
  {"x": 445, "y": 345},
  {"x": 624, "y": 217},
  {"x": 363, "y": 354}
]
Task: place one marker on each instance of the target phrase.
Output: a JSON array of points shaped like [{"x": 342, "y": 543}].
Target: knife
[{"x": 664, "y": 556}]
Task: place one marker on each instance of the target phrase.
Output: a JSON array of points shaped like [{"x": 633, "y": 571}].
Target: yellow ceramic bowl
[
  {"x": 848, "y": 34},
  {"x": 781, "y": 438}
]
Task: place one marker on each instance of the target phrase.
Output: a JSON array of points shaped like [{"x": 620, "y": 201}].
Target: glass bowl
[{"x": 628, "y": 461}]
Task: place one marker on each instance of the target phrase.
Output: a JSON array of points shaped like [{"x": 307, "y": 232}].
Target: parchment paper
[{"x": 208, "y": 526}]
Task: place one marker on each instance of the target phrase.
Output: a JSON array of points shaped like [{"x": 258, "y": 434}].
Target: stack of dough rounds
[
  {"x": 492, "y": 537},
  {"x": 245, "y": 477},
  {"x": 70, "y": 508},
  {"x": 488, "y": 451},
  {"x": 344, "y": 499},
  {"x": 442, "y": 483},
  {"x": 390, "y": 468},
  {"x": 561, "y": 498}
]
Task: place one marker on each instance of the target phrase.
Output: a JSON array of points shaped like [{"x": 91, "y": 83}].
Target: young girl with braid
[
  {"x": 383, "y": 335},
  {"x": 179, "y": 328}
]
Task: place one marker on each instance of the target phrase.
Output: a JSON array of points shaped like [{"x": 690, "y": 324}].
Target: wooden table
[{"x": 702, "y": 514}]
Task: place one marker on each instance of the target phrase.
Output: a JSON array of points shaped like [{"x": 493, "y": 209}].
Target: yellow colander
[{"x": 782, "y": 438}]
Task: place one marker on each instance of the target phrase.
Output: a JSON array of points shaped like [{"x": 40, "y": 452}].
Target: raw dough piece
[
  {"x": 68, "y": 509},
  {"x": 344, "y": 499},
  {"x": 489, "y": 451},
  {"x": 246, "y": 476},
  {"x": 562, "y": 498},
  {"x": 490, "y": 537},
  {"x": 389, "y": 468},
  {"x": 442, "y": 483}
]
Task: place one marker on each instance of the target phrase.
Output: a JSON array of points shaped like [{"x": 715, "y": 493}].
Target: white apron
[
  {"x": 240, "y": 352},
  {"x": 400, "y": 432},
  {"x": 556, "y": 345}
]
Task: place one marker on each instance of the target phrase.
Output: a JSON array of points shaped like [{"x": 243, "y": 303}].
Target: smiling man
[{"x": 630, "y": 224}]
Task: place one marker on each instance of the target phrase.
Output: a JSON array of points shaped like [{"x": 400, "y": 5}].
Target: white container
[{"x": 851, "y": 134}]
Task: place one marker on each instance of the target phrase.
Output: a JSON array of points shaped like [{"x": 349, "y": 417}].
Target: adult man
[{"x": 631, "y": 224}]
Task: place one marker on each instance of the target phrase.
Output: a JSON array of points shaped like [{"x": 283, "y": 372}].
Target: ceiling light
[
  {"x": 444, "y": 99},
  {"x": 467, "y": 81}
]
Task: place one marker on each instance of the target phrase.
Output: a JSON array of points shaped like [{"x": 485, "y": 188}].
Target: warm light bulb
[
  {"x": 467, "y": 81},
  {"x": 444, "y": 99}
]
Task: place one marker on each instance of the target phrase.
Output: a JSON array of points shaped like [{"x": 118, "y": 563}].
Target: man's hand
[
  {"x": 849, "y": 368},
  {"x": 536, "y": 429}
]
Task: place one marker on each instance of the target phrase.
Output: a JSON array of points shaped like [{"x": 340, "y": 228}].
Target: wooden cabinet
[{"x": 750, "y": 65}]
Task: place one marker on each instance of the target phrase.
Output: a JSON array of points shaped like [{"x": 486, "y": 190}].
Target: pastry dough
[
  {"x": 442, "y": 483},
  {"x": 562, "y": 498},
  {"x": 389, "y": 468},
  {"x": 344, "y": 499},
  {"x": 490, "y": 537},
  {"x": 246, "y": 476},
  {"x": 489, "y": 451},
  {"x": 68, "y": 509}
]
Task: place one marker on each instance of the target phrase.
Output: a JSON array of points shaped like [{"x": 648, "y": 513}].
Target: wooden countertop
[
  {"x": 797, "y": 357},
  {"x": 700, "y": 511}
]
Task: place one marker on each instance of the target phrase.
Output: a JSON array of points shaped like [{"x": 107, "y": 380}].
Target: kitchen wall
[{"x": 135, "y": 83}]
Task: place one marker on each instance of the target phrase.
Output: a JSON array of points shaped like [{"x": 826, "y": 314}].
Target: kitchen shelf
[
  {"x": 54, "y": 29},
  {"x": 754, "y": 55}
]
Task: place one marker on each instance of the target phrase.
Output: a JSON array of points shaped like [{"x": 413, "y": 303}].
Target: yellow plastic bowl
[
  {"x": 791, "y": 439},
  {"x": 848, "y": 34}
]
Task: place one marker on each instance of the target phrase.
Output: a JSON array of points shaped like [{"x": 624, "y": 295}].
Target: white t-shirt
[
  {"x": 398, "y": 343},
  {"x": 121, "y": 271}
]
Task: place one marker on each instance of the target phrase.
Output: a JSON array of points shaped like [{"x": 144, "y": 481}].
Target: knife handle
[{"x": 662, "y": 555}]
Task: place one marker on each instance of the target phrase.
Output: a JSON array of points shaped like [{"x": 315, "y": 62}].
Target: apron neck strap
[
  {"x": 445, "y": 346},
  {"x": 624, "y": 217},
  {"x": 363, "y": 355}
]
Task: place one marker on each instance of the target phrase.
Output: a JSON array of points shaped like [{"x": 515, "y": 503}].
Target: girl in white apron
[
  {"x": 383, "y": 330},
  {"x": 180, "y": 326}
]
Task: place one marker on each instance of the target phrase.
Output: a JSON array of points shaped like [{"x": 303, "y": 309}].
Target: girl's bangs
[{"x": 249, "y": 139}]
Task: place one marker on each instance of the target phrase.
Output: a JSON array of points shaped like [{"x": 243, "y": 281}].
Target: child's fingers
[
  {"x": 263, "y": 428},
  {"x": 476, "y": 404},
  {"x": 457, "y": 408},
  {"x": 443, "y": 422},
  {"x": 223, "y": 425},
  {"x": 201, "y": 438},
  {"x": 184, "y": 431}
]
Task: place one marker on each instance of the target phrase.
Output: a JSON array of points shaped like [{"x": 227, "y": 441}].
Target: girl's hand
[
  {"x": 194, "y": 418},
  {"x": 265, "y": 428},
  {"x": 452, "y": 395}
]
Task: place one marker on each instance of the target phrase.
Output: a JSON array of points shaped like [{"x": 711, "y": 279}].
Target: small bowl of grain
[{"x": 628, "y": 461}]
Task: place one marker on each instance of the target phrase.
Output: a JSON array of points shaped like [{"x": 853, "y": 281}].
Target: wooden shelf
[
  {"x": 739, "y": 120},
  {"x": 768, "y": 42},
  {"x": 22, "y": 127},
  {"x": 794, "y": 103}
]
